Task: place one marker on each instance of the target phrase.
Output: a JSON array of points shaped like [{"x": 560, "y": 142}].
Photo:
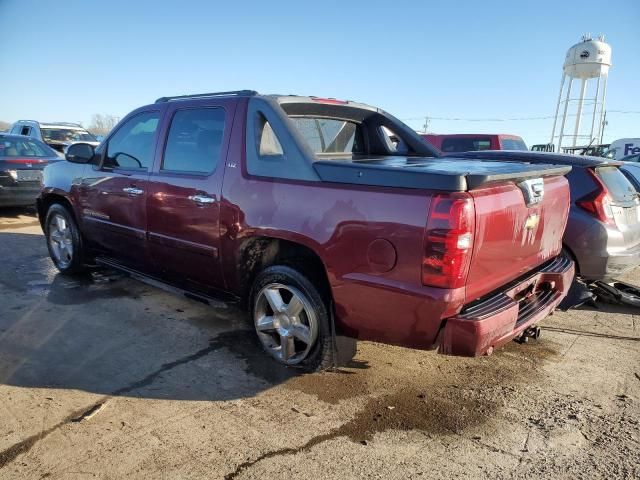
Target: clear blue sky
[{"x": 470, "y": 59}]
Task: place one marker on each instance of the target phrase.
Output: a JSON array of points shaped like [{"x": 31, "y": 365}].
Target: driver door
[{"x": 114, "y": 194}]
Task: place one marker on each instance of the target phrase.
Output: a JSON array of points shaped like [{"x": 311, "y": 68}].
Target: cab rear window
[
  {"x": 513, "y": 144},
  {"x": 326, "y": 136},
  {"x": 465, "y": 144},
  {"x": 619, "y": 187}
]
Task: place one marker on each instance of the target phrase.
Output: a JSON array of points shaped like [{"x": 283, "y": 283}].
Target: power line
[{"x": 514, "y": 119}]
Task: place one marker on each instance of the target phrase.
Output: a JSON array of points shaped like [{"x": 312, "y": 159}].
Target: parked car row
[
  {"x": 58, "y": 135},
  {"x": 22, "y": 160}
]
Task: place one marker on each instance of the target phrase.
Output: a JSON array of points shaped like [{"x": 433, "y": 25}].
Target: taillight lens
[
  {"x": 24, "y": 160},
  {"x": 598, "y": 202},
  {"x": 448, "y": 241}
]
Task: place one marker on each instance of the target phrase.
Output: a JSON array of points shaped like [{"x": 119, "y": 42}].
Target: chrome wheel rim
[
  {"x": 60, "y": 241},
  {"x": 285, "y": 322}
]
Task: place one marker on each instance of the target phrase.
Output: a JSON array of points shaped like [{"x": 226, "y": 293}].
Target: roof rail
[{"x": 237, "y": 93}]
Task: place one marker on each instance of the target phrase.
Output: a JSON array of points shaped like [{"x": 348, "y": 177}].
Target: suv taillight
[
  {"x": 448, "y": 241},
  {"x": 598, "y": 202}
]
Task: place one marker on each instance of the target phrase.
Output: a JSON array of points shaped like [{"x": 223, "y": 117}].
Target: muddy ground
[{"x": 107, "y": 377}]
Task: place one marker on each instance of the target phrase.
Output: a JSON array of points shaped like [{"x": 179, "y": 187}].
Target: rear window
[
  {"x": 465, "y": 144},
  {"x": 619, "y": 187},
  {"x": 513, "y": 144},
  {"x": 330, "y": 135},
  {"x": 24, "y": 148}
]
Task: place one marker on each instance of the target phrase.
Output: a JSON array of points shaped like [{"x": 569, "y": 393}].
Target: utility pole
[{"x": 426, "y": 124}]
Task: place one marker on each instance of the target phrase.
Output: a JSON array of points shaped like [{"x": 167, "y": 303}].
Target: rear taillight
[
  {"x": 448, "y": 241},
  {"x": 598, "y": 203}
]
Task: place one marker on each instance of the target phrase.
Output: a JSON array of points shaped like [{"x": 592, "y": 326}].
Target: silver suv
[{"x": 58, "y": 135}]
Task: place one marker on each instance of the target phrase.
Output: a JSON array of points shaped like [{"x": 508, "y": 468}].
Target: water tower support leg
[
  {"x": 583, "y": 91},
  {"x": 564, "y": 115},
  {"x": 595, "y": 110},
  {"x": 555, "y": 118}
]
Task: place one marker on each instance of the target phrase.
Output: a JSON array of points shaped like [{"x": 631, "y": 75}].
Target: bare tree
[
  {"x": 102, "y": 124},
  {"x": 4, "y": 125}
]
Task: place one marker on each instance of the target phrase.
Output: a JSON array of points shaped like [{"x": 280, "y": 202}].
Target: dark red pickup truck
[{"x": 315, "y": 212}]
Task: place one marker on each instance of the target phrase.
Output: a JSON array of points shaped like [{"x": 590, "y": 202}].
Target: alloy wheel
[
  {"x": 61, "y": 240},
  {"x": 285, "y": 322}
]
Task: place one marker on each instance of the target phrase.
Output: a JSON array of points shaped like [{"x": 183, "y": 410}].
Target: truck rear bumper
[{"x": 492, "y": 321}]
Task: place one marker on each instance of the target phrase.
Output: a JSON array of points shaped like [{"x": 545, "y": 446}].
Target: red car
[
  {"x": 316, "y": 213},
  {"x": 467, "y": 142}
]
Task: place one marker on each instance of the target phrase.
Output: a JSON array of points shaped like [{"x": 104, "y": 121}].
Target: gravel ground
[{"x": 107, "y": 377}]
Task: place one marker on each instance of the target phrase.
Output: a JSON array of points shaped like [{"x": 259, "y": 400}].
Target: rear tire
[
  {"x": 64, "y": 241},
  {"x": 291, "y": 319}
]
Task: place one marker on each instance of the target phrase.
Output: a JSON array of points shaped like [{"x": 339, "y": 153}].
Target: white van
[{"x": 623, "y": 148}]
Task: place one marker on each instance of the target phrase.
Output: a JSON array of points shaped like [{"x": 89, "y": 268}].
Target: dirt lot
[{"x": 107, "y": 377}]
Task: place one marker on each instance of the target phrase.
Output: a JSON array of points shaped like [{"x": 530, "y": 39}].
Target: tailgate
[{"x": 512, "y": 238}]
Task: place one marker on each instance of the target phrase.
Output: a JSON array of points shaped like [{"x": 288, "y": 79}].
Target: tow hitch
[{"x": 530, "y": 332}]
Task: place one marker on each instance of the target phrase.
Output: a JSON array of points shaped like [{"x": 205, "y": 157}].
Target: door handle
[
  {"x": 202, "y": 199},
  {"x": 133, "y": 190}
]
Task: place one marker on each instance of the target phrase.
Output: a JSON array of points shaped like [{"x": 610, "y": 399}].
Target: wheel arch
[
  {"x": 259, "y": 252},
  {"x": 44, "y": 202}
]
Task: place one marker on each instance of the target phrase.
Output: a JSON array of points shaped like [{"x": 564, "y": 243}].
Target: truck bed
[{"x": 446, "y": 174}]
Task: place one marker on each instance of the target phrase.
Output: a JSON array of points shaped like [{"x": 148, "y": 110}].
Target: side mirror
[{"x": 80, "y": 153}]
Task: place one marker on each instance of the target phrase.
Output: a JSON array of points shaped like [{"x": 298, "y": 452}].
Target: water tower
[{"x": 587, "y": 62}]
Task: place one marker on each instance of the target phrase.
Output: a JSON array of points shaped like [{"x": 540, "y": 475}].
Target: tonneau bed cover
[{"x": 447, "y": 174}]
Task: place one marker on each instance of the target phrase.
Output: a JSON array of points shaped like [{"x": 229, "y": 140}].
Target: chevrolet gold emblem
[{"x": 532, "y": 221}]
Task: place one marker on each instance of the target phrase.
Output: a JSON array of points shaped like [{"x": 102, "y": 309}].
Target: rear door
[
  {"x": 184, "y": 194},
  {"x": 113, "y": 195}
]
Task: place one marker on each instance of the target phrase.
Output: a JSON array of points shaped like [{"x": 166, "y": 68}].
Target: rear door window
[
  {"x": 619, "y": 187},
  {"x": 194, "y": 142},
  {"x": 24, "y": 148}
]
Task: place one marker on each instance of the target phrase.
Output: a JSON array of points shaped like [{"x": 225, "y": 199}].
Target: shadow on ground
[{"x": 109, "y": 334}]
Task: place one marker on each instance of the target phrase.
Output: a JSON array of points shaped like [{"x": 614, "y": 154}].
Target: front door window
[{"x": 131, "y": 147}]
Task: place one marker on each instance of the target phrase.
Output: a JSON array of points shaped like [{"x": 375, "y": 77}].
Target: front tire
[
  {"x": 64, "y": 241},
  {"x": 291, "y": 319}
]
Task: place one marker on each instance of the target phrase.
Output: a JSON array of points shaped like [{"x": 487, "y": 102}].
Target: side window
[
  {"x": 25, "y": 131},
  {"x": 16, "y": 130},
  {"x": 394, "y": 142},
  {"x": 266, "y": 139},
  {"x": 271, "y": 150},
  {"x": 194, "y": 142},
  {"x": 131, "y": 147}
]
